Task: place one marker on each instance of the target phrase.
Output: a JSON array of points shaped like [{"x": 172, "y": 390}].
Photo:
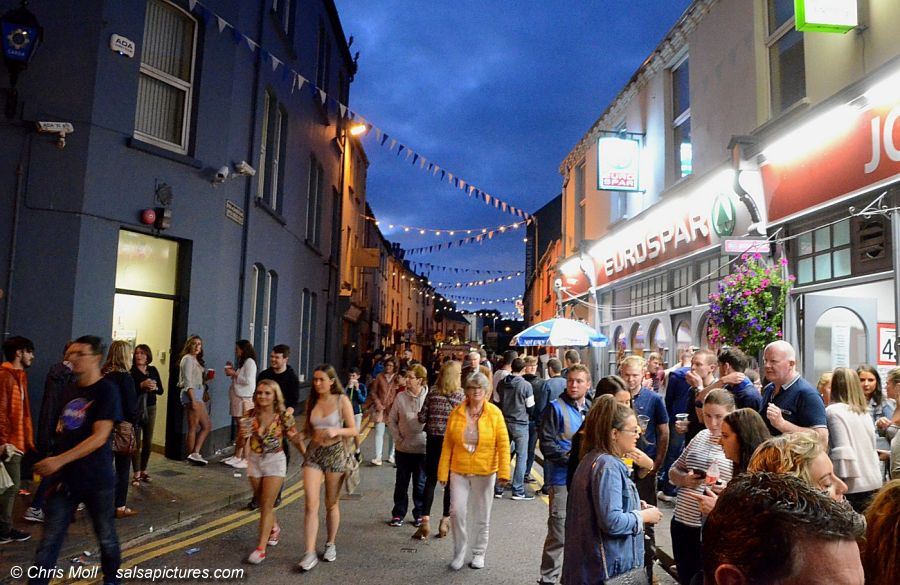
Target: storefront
[
  {"x": 652, "y": 275},
  {"x": 831, "y": 182}
]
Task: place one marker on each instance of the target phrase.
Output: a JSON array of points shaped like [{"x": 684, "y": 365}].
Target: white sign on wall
[
  {"x": 826, "y": 15},
  {"x": 840, "y": 346}
]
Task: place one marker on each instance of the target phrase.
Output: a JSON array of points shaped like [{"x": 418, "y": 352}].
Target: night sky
[{"x": 496, "y": 92}]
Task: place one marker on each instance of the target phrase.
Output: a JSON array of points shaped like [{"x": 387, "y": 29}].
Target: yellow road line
[{"x": 211, "y": 529}]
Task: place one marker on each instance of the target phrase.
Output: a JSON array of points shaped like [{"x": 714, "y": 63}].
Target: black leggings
[
  {"x": 433, "y": 446},
  {"x": 686, "y": 549}
]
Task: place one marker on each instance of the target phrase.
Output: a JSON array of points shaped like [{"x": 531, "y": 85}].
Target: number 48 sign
[{"x": 887, "y": 350}]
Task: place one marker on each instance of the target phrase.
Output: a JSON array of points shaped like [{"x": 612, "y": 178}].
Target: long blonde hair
[
  {"x": 845, "y": 388},
  {"x": 278, "y": 405},
  {"x": 449, "y": 379},
  {"x": 118, "y": 358}
]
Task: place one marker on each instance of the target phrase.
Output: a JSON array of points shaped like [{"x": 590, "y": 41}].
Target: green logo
[{"x": 724, "y": 216}]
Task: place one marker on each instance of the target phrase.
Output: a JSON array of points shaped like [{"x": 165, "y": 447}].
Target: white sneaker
[
  {"x": 376, "y": 462},
  {"x": 34, "y": 514},
  {"x": 229, "y": 460},
  {"x": 308, "y": 561},
  {"x": 240, "y": 464},
  {"x": 391, "y": 460},
  {"x": 477, "y": 561},
  {"x": 256, "y": 557},
  {"x": 458, "y": 562},
  {"x": 197, "y": 458},
  {"x": 330, "y": 553}
]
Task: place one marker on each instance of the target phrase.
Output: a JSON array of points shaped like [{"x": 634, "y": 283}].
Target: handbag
[
  {"x": 142, "y": 417},
  {"x": 206, "y": 393},
  {"x": 351, "y": 467},
  {"x": 124, "y": 441}
]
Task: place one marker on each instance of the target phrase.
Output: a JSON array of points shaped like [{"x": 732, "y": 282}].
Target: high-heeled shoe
[
  {"x": 423, "y": 531},
  {"x": 444, "y": 527}
]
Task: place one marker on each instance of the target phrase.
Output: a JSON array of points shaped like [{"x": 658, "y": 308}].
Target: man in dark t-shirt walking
[
  {"x": 284, "y": 375},
  {"x": 81, "y": 467}
]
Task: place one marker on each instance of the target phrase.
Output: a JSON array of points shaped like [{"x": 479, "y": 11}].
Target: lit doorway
[{"x": 144, "y": 311}]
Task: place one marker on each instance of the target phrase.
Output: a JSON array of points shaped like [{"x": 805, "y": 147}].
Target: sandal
[
  {"x": 145, "y": 478},
  {"x": 136, "y": 481}
]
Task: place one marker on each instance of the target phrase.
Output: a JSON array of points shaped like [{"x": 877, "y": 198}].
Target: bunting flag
[
  {"x": 429, "y": 267},
  {"x": 474, "y": 283},
  {"x": 298, "y": 80},
  {"x": 463, "y": 300},
  {"x": 449, "y": 231}
]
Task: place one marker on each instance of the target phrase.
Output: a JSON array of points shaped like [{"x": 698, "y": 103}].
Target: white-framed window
[
  {"x": 308, "y": 301},
  {"x": 263, "y": 300},
  {"x": 314, "y": 201},
  {"x": 166, "y": 79},
  {"x": 323, "y": 58},
  {"x": 785, "y": 46},
  {"x": 579, "y": 202},
  {"x": 681, "y": 118},
  {"x": 272, "y": 147},
  {"x": 284, "y": 13}
]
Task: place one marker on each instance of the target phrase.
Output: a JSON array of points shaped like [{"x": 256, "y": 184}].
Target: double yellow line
[{"x": 162, "y": 546}]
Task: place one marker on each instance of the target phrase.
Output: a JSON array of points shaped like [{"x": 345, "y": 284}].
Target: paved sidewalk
[{"x": 179, "y": 494}]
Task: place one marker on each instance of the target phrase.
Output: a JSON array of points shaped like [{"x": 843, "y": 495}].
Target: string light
[{"x": 422, "y": 230}]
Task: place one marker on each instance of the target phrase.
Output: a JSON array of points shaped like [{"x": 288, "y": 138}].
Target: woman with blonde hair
[
  {"x": 117, "y": 370},
  {"x": 446, "y": 395},
  {"x": 824, "y": 387},
  {"x": 263, "y": 429},
  {"x": 606, "y": 518},
  {"x": 475, "y": 455},
  {"x": 802, "y": 455},
  {"x": 329, "y": 422},
  {"x": 881, "y": 548},
  {"x": 851, "y": 439},
  {"x": 191, "y": 374}
]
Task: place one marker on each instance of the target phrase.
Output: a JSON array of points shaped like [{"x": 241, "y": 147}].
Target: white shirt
[{"x": 851, "y": 447}]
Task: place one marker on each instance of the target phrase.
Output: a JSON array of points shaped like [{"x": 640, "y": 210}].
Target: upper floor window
[
  {"x": 579, "y": 203},
  {"x": 263, "y": 299},
  {"x": 681, "y": 119},
  {"x": 323, "y": 58},
  {"x": 166, "y": 77},
  {"x": 284, "y": 13},
  {"x": 314, "y": 201},
  {"x": 272, "y": 148},
  {"x": 787, "y": 70},
  {"x": 709, "y": 272}
]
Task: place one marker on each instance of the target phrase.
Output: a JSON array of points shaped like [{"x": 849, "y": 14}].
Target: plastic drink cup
[
  {"x": 211, "y": 374},
  {"x": 681, "y": 421},
  {"x": 644, "y": 421}
]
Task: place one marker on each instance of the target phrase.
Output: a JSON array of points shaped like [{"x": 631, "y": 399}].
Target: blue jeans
[
  {"x": 518, "y": 442},
  {"x": 532, "y": 445},
  {"x": 58, "y": 513}
]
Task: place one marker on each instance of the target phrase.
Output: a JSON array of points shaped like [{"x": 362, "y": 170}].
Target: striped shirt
[{"x": 699, "y": 454}]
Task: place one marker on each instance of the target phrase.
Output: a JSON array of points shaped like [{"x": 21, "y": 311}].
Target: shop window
[
  {"x": 658, "y": 340},
  {"x": 683, "y": 337},
  {"x": 638, "y": 340},
  {"x": 681, "y": 287},
  {"x": 273, "y": 145},
  {"x": 166, "y": 79},
  {"x": 824, "y": 253},
  {"x": 711, "y": 271},
  {"x": 648, "y": 296},
  {"x": 681, "y": 119},
  {"x": 785, "y": 45}
]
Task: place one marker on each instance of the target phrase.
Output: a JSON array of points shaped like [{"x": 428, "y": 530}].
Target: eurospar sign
[{"x": 696, "y": 218}]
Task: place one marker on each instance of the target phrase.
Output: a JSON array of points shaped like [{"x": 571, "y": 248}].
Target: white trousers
[
  {"x": 379, "y": 441},
  {"x": 477, "y": 490}
]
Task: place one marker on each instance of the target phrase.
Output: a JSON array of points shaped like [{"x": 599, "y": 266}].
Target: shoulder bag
[
  {"x": 351, "y": 468},
  {"x": 124, "y": 441}
]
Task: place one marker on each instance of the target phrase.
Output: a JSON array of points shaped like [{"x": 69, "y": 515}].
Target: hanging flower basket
[{"x": 748, "y": 309}]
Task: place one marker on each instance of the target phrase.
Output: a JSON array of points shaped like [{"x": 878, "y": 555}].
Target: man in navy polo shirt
[
  {"x": 654, "y": 442},
  {"x": 789, "y": 403},
  {"x": 732, "y": 365}
]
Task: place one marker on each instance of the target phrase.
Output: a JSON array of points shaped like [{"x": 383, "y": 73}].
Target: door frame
[{"x": 814, "y": 306}]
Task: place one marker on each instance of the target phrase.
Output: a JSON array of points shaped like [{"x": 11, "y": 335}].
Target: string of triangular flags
[
  {"x": 429, "y": 267},
  {"x": 382, "y": 138},
  {"x": 477, "y": 239},
  {"x": 472, "y": 283},
  {"x": 470, "y": 300},
  {"x": 450, "y": 232}
]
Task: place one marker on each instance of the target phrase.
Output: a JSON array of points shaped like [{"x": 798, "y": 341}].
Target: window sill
[
  {"x": 273, "y": 213},
  {"x": 312, "y": 246},
  {"x": 142, "y": 146},
  {"x": 792, "y": 111}
]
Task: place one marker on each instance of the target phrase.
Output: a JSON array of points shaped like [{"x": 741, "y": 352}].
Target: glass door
[{"x": 838, "y": 332}]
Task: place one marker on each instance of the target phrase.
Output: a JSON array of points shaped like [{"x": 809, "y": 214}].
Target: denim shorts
[{"x": 189, "y": 395}]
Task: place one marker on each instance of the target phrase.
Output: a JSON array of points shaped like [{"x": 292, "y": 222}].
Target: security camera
[
  {"x": 221, "y": 174},
  {"x": 244, "y": 168}
]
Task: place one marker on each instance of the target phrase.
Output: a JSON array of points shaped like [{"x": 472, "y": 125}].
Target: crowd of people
[{"x": 757, "y": 477}]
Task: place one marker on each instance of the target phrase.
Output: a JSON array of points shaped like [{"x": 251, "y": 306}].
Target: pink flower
[{"x": 784, "y": 261}]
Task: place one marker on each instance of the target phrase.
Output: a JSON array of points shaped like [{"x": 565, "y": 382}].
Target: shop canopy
[{"x": 560, "y": 333}]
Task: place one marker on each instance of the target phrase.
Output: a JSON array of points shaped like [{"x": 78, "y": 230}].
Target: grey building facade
[{"x": 251, "y": 253}]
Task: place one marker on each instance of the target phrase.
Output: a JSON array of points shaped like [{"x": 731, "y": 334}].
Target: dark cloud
[{"x": 496, "y": 92}]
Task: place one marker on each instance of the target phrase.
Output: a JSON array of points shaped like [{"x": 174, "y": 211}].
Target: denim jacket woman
[{"x": 603, "y": 506}]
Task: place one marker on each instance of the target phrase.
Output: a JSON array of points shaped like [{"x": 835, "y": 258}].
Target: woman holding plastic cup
[{"x": 701, "y": 466}]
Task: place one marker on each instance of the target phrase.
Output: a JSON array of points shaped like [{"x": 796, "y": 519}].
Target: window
[
  {"x": 648, "y": 296},
  {"x": 283, "y": 11},
  {"x": 824, "y": 253},
  {"x": 263, "y": 295},
  {"x": 308, "y": 302},
  {"x": 336, "y": 226},
  {"x": 314, "y": 201},
  {"x": 711, "y": 270},
  {"x": 579, "y": 202},
  {"x": 323, "y": 58},
  {"x": 681, "y": 119},
  {"x": 272, "y": 147},
  {"x": 618, "y": 206},
  {"x": 787, "y": 71},
  {"x": 166, "y": 78},
  {"x": 681, "y": 289}
]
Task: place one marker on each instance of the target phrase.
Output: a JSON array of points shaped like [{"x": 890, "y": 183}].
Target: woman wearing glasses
[
  {"x": 606, "y": 518},
  {"x": 475, "y": 455}
]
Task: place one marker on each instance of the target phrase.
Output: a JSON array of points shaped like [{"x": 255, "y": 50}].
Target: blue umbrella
[{"x": 560, "y": 332}]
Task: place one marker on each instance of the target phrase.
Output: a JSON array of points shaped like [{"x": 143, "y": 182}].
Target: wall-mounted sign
[
  {"x": 738, "y": 246},
  {"x": 122, "y": 45},
  {"x": 234, "y": 212},
  {"x": 887, "y": 350},
  {"x": 618, "y": 164},
  {"x": 837, "y": 16}
]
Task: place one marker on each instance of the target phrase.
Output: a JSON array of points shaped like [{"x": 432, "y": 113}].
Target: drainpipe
[
  {"x": 248, "y": 191},
  {"x": 13, "y": 240}
]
